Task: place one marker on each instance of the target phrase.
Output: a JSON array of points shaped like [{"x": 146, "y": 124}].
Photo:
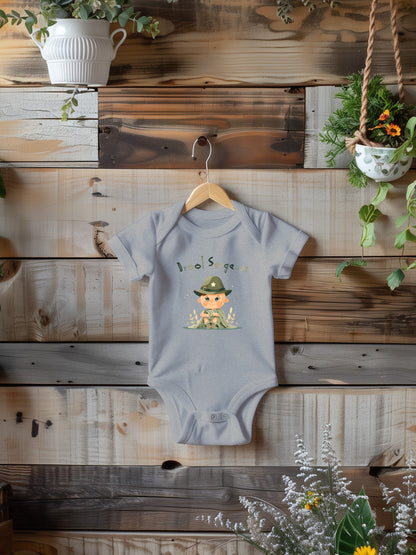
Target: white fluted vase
[{"x": 79, "y": 52}]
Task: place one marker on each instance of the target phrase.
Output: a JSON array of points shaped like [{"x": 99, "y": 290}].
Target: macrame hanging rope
[{"x": 360, "y": 136}]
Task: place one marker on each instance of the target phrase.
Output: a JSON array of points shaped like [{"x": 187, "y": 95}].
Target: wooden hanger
[{"x": 206, "y": 190}]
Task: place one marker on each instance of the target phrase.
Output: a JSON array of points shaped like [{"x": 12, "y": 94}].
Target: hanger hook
[{"x": 199, "y": 141}]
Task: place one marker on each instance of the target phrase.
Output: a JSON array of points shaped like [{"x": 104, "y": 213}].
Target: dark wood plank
[
  {"x": 235, "y": 42},
  {"x": 93, "y": 300},
  {"x": 155, "y": 498},
  {"x": 252, "y": 128},
  {"x": 127, "y": 364}
]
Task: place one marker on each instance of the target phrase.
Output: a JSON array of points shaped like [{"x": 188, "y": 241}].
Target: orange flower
[
  {"x": 384, "y": 115},
  {"x": 393, "y": 130},
  {"x": 376, "y": 127},
  {"x": 308, "y": 506}
]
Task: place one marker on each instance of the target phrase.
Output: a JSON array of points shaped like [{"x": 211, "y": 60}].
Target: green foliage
[
  {"x": 361, "y": 263},
  {"x": 368, "y": 215},
  {"x": 70, "y": 103},
  {"x": 404, "y": 236},
  {"x": 114, "y": 12},
  {"x": 285, "y": 7},
  {"x": 346, "y": 120},
  {"x": 356, "y": 527}
]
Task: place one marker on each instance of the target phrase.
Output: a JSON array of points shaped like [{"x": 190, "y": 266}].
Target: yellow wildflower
[{"x": 366, "y": 550}]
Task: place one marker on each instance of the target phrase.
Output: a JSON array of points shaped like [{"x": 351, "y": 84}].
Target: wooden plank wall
[{"x": 84, "y": 443}]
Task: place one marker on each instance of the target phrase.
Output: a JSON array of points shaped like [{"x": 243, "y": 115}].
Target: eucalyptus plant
[
  {"x": 114, "y": 11},
  {"x": 285, "y": 7}
]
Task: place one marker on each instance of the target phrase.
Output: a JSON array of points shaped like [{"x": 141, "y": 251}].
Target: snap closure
[{"x": 219, "y": 416}]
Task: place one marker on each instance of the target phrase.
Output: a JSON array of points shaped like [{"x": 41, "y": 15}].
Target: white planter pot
[
  {"x": 374, "y": 163},
  {"x": 79, "y": 52}
]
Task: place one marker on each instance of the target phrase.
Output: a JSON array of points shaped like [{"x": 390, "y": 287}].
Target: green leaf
[
  {"x": 401, "y": 220},
  {"x": 2, "y": 187},
  {"x": 410, "y": 190},
  {"x": 400, "y": 239},
  {"x": 383, "y": 189},
  {"x": 84, "y": 11},
  {"x": 356, "y": 528},
  {"x": 412, "y": 266},
  {"x": 395, "y": 278},
  {"x": 369, "y": 213},
  {"x": 368, "y": 236},
  {"x": 124, "y": 16},
  {"x": 341, "y": 267},
  {"x": 30, "y": 21},
  {"x": 410, "y": 236}
]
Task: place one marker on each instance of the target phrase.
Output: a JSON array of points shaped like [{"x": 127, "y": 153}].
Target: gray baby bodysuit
[{"x": 211, "y": 325}]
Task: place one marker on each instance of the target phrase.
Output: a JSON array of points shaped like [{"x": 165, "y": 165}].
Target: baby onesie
[{"x": 211, "y": 324}]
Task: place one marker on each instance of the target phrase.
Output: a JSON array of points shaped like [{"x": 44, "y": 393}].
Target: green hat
[{"x": 212, "y": 285}]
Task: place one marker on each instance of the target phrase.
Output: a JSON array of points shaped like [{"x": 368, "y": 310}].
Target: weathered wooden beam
[
  {"x": 93, "y": 300},
  {"x": 31, "y": 121},
  {"x": 235, "y": 43},
  {"x": 130, "y": 543},
  {"x": 129, "y": 425},
  {"x": 127, "y": 364},
  {"x": 156, "y": 128},
  {"x": 159, "y": 498},
  {"x": 69, "y": 212}
]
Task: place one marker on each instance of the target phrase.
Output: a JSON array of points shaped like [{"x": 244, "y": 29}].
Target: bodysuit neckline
[{"x": 210, "y": 223}]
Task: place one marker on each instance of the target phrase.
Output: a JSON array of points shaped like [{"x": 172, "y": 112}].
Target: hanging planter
[
  {"x": 378, "y": 160},
  {"x": 79, "y": 52},
  {"x": 375, "y": 163}
]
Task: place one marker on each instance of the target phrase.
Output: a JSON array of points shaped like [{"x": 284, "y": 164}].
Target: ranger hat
[{"x": 211, "y": 286}]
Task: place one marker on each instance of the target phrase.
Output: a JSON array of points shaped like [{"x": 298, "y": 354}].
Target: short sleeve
[
  {"x": 282, "y": 244},
  {"x": 135, "y": 248}
]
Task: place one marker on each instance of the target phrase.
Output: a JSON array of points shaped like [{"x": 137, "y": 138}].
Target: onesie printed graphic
[{"x": 213, "y": 296}]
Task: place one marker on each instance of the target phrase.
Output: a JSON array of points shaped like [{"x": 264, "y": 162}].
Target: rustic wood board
[
  {"x": 158, "y": 499},
  {"x": 235, "y": 42},
  {"x": 156, "y": 128},
  {"x": 130, "y": 426},
  {"x": 93, "y": 300},
  {"x": 41, "y": 103},
  {"x": 320, "y": 103},
  {"x": 6, "y": 538},
  {"x": 57, "y": 212},
  {"x": 127, "y": 364},
  {"x": 129, "y": 543},
  {"x": 31, "y": 121}
]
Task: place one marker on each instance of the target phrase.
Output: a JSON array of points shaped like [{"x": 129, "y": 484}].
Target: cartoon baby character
[{"x": 213, "y": 296}]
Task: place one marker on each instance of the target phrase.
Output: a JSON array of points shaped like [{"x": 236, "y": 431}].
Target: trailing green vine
[
  {"x": 404, "y": 236},
  {"x": 285, "y": 7}
]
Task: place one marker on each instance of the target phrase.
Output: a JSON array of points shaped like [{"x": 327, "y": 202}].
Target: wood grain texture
[
  {"x": 93, "y": 300},
  {"x": 56, "y": 212},
  {"x": 156, "y": 128},
  {"x": 6, "y": 538},
  {"x": 130, "y": 426},
  {"x": 31, "y": 121},
  {"x": 127, "y": 364},
  {"x": 235, "y": 43},
  {"x": 129, "y": 543},
  {"x": 156, "y": 498}
]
